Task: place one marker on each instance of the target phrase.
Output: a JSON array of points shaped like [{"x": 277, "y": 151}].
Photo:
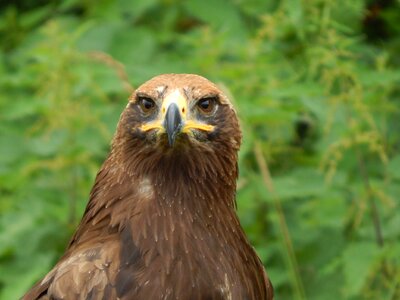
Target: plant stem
[
  {"x": 266, "y": 175},
  {"x": 374, "y": 209}
]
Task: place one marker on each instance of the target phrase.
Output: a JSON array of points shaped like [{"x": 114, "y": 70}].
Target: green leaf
[
  {"x": 359, "y": 260},
  {"x": 394, "y": 167},
  {"x": 299, "y": 184}
]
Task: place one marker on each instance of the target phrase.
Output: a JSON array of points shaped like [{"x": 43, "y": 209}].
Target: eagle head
[{"x": 180, "y": 111}]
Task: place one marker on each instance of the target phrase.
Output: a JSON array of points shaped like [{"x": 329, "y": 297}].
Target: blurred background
[{"x": 317, "y": 87}]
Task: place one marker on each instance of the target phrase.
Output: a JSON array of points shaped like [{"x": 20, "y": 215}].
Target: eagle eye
[
  {"x": 206, "y": 105},
  {"x": 146, "y": 104}
]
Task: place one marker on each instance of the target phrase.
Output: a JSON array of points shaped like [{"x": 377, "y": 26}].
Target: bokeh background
[{"x": 317, "y": 87}]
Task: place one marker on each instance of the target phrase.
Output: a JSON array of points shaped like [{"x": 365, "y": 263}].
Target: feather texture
[{"x": 161, "y": 220}]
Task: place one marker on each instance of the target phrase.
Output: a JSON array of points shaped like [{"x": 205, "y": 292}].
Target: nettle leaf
[
  {"x": 223, "y": 15},
  {"x": 47, "y": 145},
  {"x": 99, "y": 36},
  {"x": 126, "y": 48},
  {"x": 299, "y": 184},
  {"x": 359, "y": 260},
  {"x": 326, "y": 210},
  {"x": 12, "y": 147},
  {"x": 137, "y": 10},
  {"x": 18, "y": 107},
  {"x": 394, "y": 167}
]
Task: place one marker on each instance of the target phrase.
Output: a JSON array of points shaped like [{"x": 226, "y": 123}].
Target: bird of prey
[{"x": 161, "y": 220}]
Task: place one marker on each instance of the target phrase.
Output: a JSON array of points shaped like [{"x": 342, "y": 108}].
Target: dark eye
[
  {"x": 146, "y": 104},
  {"x": 206, "y": 104}
]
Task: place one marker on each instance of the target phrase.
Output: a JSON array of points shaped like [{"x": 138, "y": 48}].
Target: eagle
[{"x": 161, "y": 219}]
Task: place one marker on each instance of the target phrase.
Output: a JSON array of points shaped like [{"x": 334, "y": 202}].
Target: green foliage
[{"x": 316, "y": 84}]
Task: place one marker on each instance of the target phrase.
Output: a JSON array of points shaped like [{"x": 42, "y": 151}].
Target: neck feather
[{"x": 134, "y": 186}]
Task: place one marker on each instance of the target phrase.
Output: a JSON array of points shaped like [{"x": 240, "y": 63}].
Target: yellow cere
[{"x": 177, "y": 98}]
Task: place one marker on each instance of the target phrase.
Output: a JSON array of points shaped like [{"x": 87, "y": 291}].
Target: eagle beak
[
  {"x": 174, "y": 119},
  {"x": 172, "y": 123}
]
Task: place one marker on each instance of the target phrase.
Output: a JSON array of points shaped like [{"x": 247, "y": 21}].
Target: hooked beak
[
  {"x": 172, "y": 123},
  {"x": 174, "y": 119}
]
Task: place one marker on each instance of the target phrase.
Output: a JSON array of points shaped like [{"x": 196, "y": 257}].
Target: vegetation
[{"x": 317, "y": 87}]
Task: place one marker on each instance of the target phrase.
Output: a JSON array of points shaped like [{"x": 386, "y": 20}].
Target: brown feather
[{"x": 161, "y": 221}]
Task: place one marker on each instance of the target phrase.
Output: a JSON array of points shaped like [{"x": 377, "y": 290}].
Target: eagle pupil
[
  {"x": 146, "y": 103},
  {"x": 206, "y": 104}
]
